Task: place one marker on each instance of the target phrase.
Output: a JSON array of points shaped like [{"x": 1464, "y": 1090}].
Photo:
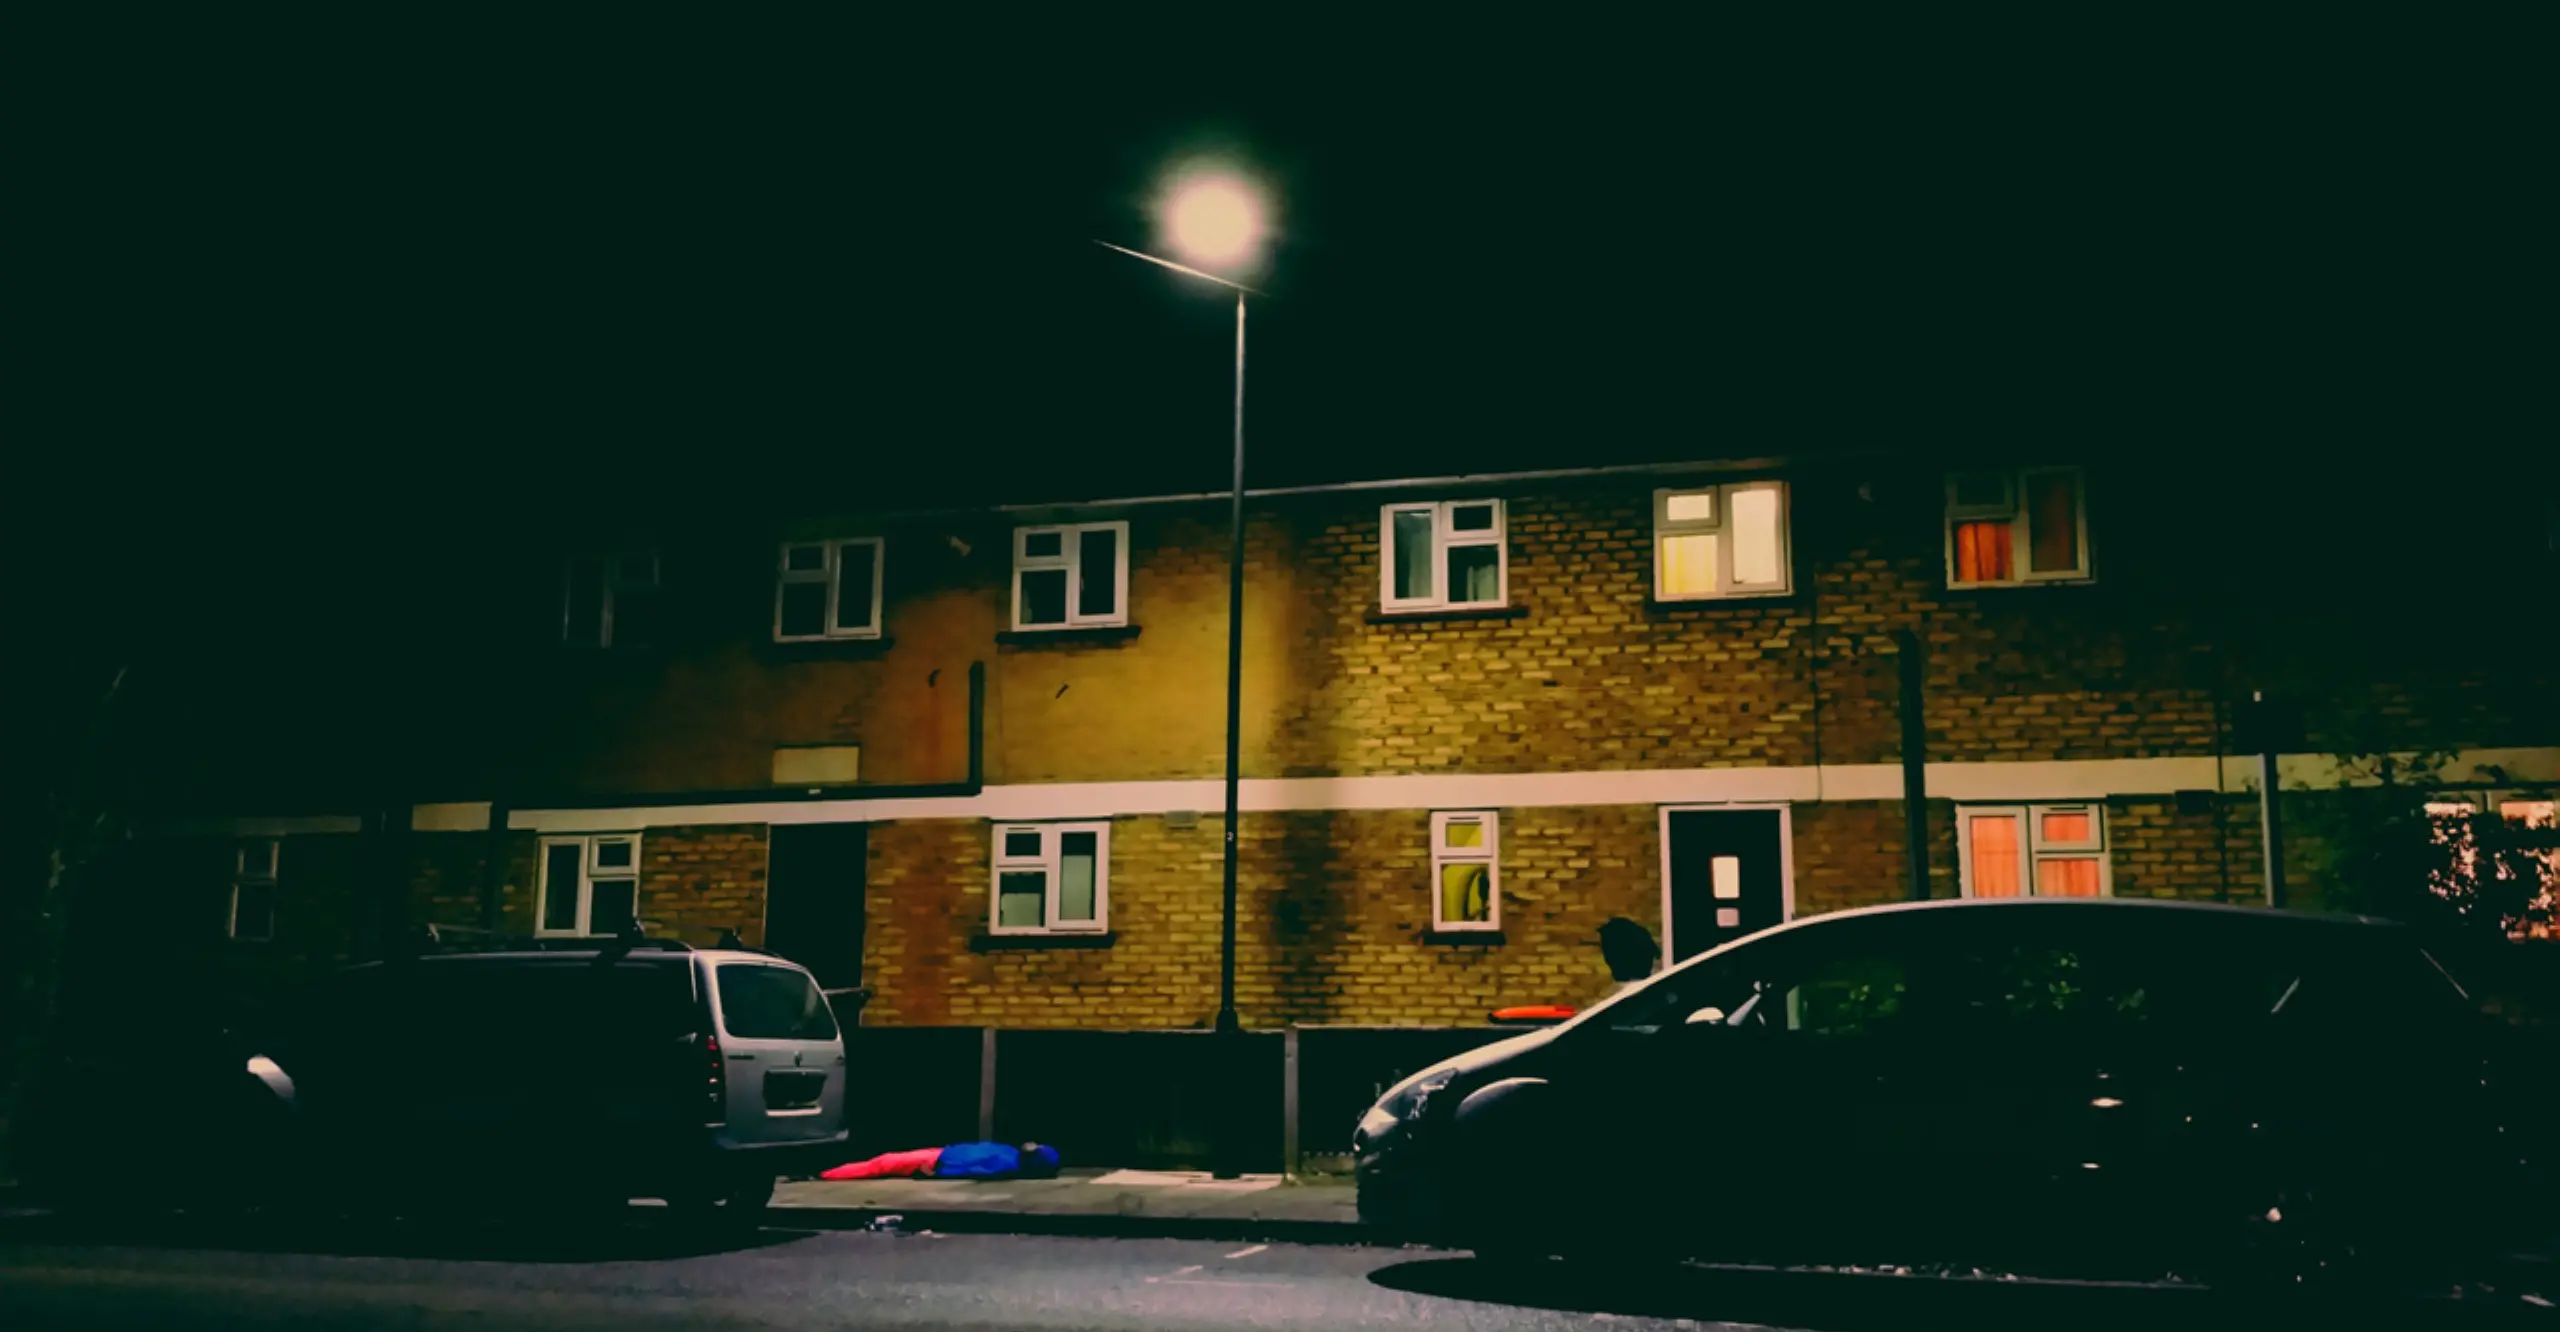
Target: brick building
[{"x": 970, "y": 760}]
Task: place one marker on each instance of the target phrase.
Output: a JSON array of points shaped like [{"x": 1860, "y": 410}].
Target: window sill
[
  {"x": 1105, "y": 633},
  {"x": 816, "y": 648},
  {"x": 1007, "y": 943},
  {"x": 2021, "y": 587},
  {"x": 1746, "y": 600},
  {"x": 1479, "y": 938},
  {"x": 1449, "y": 616}
]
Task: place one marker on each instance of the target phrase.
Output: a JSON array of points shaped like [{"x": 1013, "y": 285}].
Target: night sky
[{"x": 328, "y": 319}]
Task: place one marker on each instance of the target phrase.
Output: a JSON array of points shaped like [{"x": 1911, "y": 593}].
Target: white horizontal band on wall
[
  {"x": 2084, "y": 779},
  {"x": 288, "y": 826},
  {"x": 451, "y": 816}
]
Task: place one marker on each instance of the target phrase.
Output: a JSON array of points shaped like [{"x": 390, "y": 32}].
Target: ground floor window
[
  {"x": 590, "y": 885},
  {"x": 1051, "y": 878},
  {"x": 253, "y": 890},
  {"x": 1466, "y": 872},
  {"x": 2033, "y": 850}
]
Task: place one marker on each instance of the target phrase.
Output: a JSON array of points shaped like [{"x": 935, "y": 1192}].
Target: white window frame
[
  {"x": 590, "y": 873},
  {"x": 1444, "y": 538},
  {"x": 2032, "y": 845},
  {"x": 1720, "y": 526},
  {"x": 1070, "y": 558},
  {"x": 1052, "y": 837},
  {"x": 1489, "y": 855},
  {"x": 254, "y": 873},
  {"x": 2021, "y": 525},
  {"x": 831, "y": 573},
  {"x": 620, "y": 576}
]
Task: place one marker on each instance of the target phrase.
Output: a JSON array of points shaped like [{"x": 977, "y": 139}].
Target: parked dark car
[
  {"x": 579, "y": 1072},
  {"x": 2170, "y": 1087}
]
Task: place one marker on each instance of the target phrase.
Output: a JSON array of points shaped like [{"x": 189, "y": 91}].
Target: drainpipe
[
  {"x": 2270, "y": 807},
  {"x": 1915, "y": 767}
]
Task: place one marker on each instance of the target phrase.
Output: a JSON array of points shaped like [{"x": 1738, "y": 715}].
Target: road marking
[
  {"x": 1273, "y": 1285},
  {"x": 1249, "y": 1251},
  {"x": 1179, "y": 1271}
]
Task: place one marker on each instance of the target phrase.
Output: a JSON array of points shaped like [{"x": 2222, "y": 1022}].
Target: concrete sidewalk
[{"x": 1165, "y": 1204}]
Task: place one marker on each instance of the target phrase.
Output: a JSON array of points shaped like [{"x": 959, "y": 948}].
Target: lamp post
[{"x": 1217, "y": 219}]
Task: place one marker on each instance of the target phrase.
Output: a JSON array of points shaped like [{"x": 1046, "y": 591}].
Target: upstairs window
[
  {"x": 827, "y": 589},
  {"x": 253, "y": 891},
  {"x": 1466, "y": 885},
  {"x": 590, "y": 885},
  {"x": 609, "y": 600},
  {"x": 1447, "y": 556},
  {"x": 2029, "y": 525},
  {"x": 1720, "y": 541},
  {"x": 2033, "y": 850},
  {"x": 1051, "y": 878},
  {"x": 1071, "y": 577}
]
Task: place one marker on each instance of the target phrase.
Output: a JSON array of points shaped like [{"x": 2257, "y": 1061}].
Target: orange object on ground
[
  {"x": 890, "y": 1165},
  {"x": 1533, "y": 1013}
]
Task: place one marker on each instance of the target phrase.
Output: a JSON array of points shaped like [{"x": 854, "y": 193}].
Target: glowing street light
[{"x": 1214, "y": 219}]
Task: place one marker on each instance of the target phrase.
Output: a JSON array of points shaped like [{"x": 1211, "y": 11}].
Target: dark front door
[
  {"x": 813, "y": 899},
  {"x": 1728, "y": 875}
]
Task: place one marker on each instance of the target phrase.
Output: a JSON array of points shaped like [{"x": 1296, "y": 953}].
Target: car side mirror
[{"x": 1710, "y": 1016}]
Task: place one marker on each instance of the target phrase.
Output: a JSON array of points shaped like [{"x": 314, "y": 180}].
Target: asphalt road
[{"x": 636, "y": 1276}]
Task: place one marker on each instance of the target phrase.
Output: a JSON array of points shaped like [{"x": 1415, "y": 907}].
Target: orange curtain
[
  {"x": 1982, "y": 552},
  {"x": 2067, "y": 876},
  {"x": 1995, "y": 854}
]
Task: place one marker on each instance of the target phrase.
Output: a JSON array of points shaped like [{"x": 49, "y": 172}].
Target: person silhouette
[{"x": 1629, "y": 950}]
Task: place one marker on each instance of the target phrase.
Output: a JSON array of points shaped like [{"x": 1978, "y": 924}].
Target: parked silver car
[{"x": 564, "y": 1071}]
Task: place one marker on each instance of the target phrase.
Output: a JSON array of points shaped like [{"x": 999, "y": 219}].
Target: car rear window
[{"x": 761, "y": 1003}]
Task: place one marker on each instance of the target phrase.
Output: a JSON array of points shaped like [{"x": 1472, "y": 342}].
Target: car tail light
[{"x": 715, "y": 1089}]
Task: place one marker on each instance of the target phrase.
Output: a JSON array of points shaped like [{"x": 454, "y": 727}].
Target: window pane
[
  {"x": 1726, "y": 873},
  {"x": 562, "y": 864},
  {"x": 804, "y": 559},
  {"x": 2066, "y": 876},
  {"x": 2066, "y": 826},
  {"x": 1475, "y": 574},
  {"x": 1759, "y": 556},
  {"x": 1076, "y": 862},
  {"x": 1982, "y": 490},
  {"x": 853, "y": 585},
  {"x": 1471, "y": 518},
  {"x": 1098, "y": 572},
  {"x": 1697, "y": 506},
  {"x": 1462, "y": 833},
  {"x": 1982, "y": 552},
  {"x": 253, "y": 913},
  {"x": 1021, "y": 898},
  {"x": 2053, "y": 517},
  {"x": 585, "y": 602},
  {"x": 1848, "y": 996},
  {"x": 1044, "y": 596},
  {"x": 258, "y": 860},
  {"x": 635, "y": 618},
  {"x": 1022, "y": 844},
  {"x": 1412, "y": 556},
  {"x": 613, "y": 854},
  {"x": 1995, "y": 854},
  {"x": 804, "y": 610},
  {"x": 760, "y": 1003},
  {"x": 1466, "y": 893},
  {"x": 1688, "y": 565},
  {"x": 1043, "y": 545},
  {"x": 615, "y": 906}
]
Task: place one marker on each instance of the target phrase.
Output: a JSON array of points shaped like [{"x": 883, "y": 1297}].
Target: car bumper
[
  {"x": 1400, "y": 1193},
  {"x": 807, "y": 1156}
]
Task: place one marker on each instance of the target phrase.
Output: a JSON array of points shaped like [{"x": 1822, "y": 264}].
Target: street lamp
[{"x": 1215, "y": 218}]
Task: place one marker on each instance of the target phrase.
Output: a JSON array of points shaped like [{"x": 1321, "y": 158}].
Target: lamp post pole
[{"x": 1230, "y": 1048}]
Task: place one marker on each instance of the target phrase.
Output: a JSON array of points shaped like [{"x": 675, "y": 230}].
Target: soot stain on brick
[{"x": 1309, "y": 919}]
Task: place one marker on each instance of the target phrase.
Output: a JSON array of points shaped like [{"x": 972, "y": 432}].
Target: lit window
[
  {"x": 827, "y": 589},
  {"x": 590, "y": 885},
  {"x": 2033, "y": 850},
  {"x": 2458, "y": 877},
  {"x": 1051, "y": 878},
  {"x": 1720, "y": 541},
  {"x": 1466, "y": 871},
  {"x": 1446, "y": 556},
  {"x": 2027, "y": 525},
  {"x": 1071, "y": 577},
  {"x": 253, "y": 891},
  {"x": 609, "y": 600}
]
